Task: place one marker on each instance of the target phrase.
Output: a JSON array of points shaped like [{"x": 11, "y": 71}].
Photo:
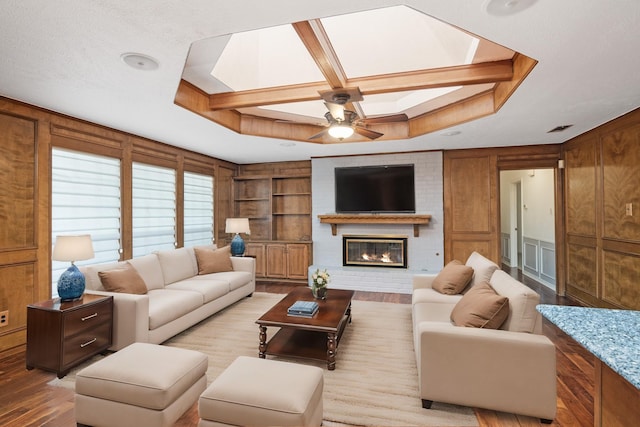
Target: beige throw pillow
[
  {"x": 124, "y": 280},
  {"x": 481, "y": 307},
  {"x": 453, "y": 278},
  {"x": 213, "y": 260}
]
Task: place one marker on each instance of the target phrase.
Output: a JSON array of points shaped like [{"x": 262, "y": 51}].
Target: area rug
[{"x": 375, "y": 382}]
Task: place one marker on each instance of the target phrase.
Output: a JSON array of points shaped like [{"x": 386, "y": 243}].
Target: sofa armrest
[
  {"x": 486, "y": 368},
  {"x": 130, "y": 318},
  {"x": 423, "y": 281},
  {"x": 241, "y": 263}
]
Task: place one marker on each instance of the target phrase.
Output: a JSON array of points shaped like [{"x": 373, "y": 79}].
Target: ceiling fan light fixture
[{"x": 340, "y": 131}]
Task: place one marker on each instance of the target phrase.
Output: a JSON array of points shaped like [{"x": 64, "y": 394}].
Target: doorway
[{"x": 527, "y": 206}]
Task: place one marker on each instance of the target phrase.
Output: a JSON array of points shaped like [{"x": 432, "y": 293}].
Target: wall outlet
[
  {"x": 629, "y": 209},
  {"x": 4, "y": 318}
]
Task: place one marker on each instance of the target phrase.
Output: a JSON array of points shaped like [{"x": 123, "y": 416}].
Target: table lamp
[
  {"x": 237, "y": 225},
  {"x": 72, "y": 248}
]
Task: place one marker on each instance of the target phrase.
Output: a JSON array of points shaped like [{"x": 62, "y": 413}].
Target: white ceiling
[{"x": 65, "y": 56}]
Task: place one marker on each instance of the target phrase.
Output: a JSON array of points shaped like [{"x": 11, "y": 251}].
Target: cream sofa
[
  {"x": 510, "y": 369},
  {"x": 177, "y": 297}
]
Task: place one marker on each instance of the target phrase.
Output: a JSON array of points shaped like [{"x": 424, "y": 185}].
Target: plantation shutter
[
  {"x": 85, "y": 199},
  {"x": 198, "y": 209},
  {"x": 154, "y": 208}
]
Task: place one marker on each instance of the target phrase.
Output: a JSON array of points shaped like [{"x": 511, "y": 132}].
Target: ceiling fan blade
[
  {"x": 319, "y": 134},
  {"x": 386, "y": 119},
  {"x": 336, "y": 110},
  {"x": 371, "y": 134}
]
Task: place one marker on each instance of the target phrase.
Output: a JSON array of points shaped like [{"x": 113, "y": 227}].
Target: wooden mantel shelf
[{"x": 415, "y": 220}]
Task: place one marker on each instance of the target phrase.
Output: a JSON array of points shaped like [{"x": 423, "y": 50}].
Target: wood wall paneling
[
  {"x": 471, "y": 205},
  {"x": 17, "y": 182},
  {"x": 621, "y": 280},
  {"x": 223, "y": 202},
  {"x": 580, "y": 170},
  {"x": 621, "y": 181}
]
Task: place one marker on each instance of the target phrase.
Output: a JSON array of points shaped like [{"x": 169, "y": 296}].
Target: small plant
[{"x": 319, "y": 282}]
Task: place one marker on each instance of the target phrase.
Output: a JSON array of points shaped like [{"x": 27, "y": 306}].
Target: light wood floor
[{"x": 27, "y": 400}]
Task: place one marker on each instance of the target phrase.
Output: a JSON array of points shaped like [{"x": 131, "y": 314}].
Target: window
[
  {"x": 85, "y": 199},
  {"x": 154, "y": 208},
  {"x": 198, "y": 209}
]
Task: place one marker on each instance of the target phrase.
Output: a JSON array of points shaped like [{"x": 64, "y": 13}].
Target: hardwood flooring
[{"x": 27, "y": 400}]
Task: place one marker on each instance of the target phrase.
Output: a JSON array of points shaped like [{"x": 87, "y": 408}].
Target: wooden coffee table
[{"x": 316, "y": 337}]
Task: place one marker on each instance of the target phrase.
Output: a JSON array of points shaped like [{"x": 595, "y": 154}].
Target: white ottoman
[
  {"x": 140, "y": 385},
  {"x": 262, "y": 392}
]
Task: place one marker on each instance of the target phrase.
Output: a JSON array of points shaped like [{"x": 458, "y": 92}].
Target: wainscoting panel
[
  {"x": 505, "y": 245},
  {"x": 539, "y": 258}
]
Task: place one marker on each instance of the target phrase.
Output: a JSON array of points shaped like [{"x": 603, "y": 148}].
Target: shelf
[{"x": 415, "y": 220}]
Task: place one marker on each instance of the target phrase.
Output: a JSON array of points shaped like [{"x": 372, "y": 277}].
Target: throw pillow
[
  {"x": 213, "y": 260},
  {"x": 481, "y": 307},
  {"x": 454, "y": 277},
  {"x": 124, "y": 280}
]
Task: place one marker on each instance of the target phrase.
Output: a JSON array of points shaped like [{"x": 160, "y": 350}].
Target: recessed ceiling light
[
  {"x": 507, "y": 7},
  {"x": 139, "y": 61},
  {"x": 451, "y": 133},
  {"x": 287, "y": 144}
]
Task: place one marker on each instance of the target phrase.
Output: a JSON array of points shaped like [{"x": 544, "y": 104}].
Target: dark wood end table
[{"x": 315, "y": 337}]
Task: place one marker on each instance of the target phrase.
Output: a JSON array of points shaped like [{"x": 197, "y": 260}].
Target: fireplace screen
[{"x": 374, "y": 251}]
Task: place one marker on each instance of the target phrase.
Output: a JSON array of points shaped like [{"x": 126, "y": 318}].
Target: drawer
[
  {"x": 87, "y": 318},
  {"x": 86, "y": 344}
]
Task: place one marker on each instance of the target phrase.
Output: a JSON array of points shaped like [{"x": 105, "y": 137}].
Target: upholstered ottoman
[
  {"x": 140, "y": 385},
  {"x": 262, "y": 392}
]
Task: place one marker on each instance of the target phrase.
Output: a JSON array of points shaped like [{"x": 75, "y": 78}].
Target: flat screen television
[{"x": 375, "y": 189}]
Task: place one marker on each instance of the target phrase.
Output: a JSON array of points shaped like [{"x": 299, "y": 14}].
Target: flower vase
[{"x": 319, "y": 292}]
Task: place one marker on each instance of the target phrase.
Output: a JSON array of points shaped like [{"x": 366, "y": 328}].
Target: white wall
[{"x": 425, "y": 253}]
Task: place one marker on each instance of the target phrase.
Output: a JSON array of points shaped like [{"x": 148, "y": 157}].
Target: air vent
[{"x": 560, "y": 128}]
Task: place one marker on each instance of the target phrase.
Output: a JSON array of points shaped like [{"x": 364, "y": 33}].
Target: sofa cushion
[
  {"x": 483, "y": 268},
  {"x": 92, "y": 279},
  {"x": 148, "y": 266},
  {"x": 523, "y": 300},
  {"x": 210, "y": 289},
  {"x": 481, "y": 307},
  {"x": 166, "y": 305},
  {"x": 213, "y": 260},
  {"x": 177, "y": 264},
  {"x": 235, "y": 279},
  {"x": 430, "y": 295},
  {"x": 453, "y": 278},
  {"x": 126, "y": 280}
]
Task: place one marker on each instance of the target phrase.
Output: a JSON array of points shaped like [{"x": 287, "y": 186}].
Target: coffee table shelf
[{"x": 316, "y": 337}]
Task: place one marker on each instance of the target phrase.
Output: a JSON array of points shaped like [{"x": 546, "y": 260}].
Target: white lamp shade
[
  {"x": 73, "y": 248},
  {"x": 237, "y": 225},
  {"x": 340, "y": 131}
]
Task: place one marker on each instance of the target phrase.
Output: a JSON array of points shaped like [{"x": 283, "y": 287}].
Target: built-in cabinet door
[
  {"x": 297, "y": 261},
  {"x": 257, "y": 251},
  {"x": 276, "y": 260}
]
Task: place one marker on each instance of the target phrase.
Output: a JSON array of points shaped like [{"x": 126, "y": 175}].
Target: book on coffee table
[{"x": 303, "y": 309}]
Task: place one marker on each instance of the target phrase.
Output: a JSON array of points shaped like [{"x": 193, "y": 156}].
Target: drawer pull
[
  {"x": 89, "y": 317},
  {"x": 88, "y": 342}
]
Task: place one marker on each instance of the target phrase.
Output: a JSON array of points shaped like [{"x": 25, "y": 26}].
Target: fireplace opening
[{"x": 374, "y": 251}]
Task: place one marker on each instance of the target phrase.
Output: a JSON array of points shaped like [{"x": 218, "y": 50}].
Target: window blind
[
  {"x": 154, "y": 208},
  {"x": 198, "y": 209},
  {"x": 85, "y": 199}
]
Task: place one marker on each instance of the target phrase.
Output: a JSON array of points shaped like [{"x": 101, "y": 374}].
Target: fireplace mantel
[{"x": 335, "y": 219}]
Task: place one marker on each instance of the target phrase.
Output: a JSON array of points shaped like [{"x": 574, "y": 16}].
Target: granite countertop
[{"x": 611, "y": 335}]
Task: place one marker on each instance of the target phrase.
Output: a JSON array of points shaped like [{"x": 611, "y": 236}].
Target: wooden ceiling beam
[
  {"x": 317, "y": 42},
  {"x": 486, "y": 72},
  {"x": 460, "y": 75}
]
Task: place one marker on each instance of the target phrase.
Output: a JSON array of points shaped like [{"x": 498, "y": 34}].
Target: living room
[{"x": 595, "y": 163}]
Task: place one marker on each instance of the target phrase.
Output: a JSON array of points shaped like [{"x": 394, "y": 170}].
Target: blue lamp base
[
  {"x": 71, "y": 284},
  {"x": 237, "y": 246}
]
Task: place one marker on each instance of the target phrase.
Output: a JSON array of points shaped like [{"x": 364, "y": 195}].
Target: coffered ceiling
[
  {"x": 574, "y": 63},
  {"x": 418, "y": 75}
]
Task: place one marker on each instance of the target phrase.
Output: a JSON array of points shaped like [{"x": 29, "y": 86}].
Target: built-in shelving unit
[{"x": 277, "y": 200}]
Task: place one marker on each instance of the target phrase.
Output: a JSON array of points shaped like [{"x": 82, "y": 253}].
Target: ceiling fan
[{"x": 344, "y": 122}]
